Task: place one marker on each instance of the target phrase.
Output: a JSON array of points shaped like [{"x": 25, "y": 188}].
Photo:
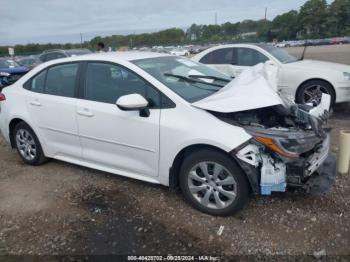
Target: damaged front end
[
  {"x": 289, "y": 149},
  {"x": 289, "y": 145}
]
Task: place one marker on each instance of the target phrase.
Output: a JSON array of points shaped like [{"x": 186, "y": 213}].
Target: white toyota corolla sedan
[
  {"x": 168, "y": 120},
  {"x": 301, "y": 80}
]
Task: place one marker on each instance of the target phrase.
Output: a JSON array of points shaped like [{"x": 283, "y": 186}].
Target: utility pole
[
  {"x": 265, "y": 13},
  {"x": 81, "y": 40},
  {"x": 216, "y": 18}
]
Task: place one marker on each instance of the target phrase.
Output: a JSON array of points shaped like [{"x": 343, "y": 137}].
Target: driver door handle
[{"x": 85, "y": 112}]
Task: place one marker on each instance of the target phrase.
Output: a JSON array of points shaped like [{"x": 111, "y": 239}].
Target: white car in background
[
  {"x": 180, "y": 52},
  {"x": 283, "y": 44},
  {"x": 302, "y": 80},
  {"x": 171, "y": 121}
]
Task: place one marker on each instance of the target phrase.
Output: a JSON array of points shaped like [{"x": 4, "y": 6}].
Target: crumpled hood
[
  {"x": 319, "y": 65},
  {"x": 253, "y": 89}
]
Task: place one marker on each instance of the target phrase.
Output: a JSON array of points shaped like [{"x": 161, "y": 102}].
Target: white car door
[
  {"x": 52, "y": 106},
  {"x": 124, "y": 141}
]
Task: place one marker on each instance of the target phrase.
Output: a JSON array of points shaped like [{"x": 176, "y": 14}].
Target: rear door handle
[
  {"x": 35, "y": 103},
  {"x": 85, "y": 112}
]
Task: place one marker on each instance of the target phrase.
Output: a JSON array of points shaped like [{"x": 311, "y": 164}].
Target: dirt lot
[
  {"x": 334, "y": 53},
  {"x": 60, "y": 209}
]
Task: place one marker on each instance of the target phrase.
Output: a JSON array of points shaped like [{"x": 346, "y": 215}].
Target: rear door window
[
  {"x": 61, "y": 79},
  {"x": 220, "y": 56}
]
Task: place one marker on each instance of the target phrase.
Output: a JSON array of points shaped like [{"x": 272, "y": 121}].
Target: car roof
[
  {"x": 129, "y": 55},
  {"x": 242, "y": 44},
  {"x": 111, "y": 56},
  {"x": 117, "y": 57},
  {"x": 217, "y": 47}
]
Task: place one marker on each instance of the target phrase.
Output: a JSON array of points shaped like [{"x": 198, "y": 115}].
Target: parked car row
[
  {"x": 61, "y": 53},
  {"x": 175, "y": 50},
  {"x": 315, "y": 42},
  {"x": 11, "y": 69},
  {"x": 10, "y": 72},
  {"x": 28, "y": 61}
]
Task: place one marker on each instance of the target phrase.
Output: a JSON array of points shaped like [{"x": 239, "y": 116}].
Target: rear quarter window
[{"x": 37, "y": 83}]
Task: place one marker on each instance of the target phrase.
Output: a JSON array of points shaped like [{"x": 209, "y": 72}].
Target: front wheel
[
  {"x": 213, "y": 183},
  {"x": 311, "y": 92}
]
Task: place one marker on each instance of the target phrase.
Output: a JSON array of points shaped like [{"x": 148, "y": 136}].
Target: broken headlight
[{"x": 285, "y": 142}]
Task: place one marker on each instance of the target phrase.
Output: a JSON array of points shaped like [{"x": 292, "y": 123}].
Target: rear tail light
[{"x": 2, "y": 97}]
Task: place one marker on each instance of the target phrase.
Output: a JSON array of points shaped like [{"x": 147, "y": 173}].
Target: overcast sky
[{"x": 42, "y": 21}]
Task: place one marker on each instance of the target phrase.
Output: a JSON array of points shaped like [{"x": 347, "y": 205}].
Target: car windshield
[
  {"x": 282, "y": 55},
  {"x": 183, "y": 76},
  {"x": 6, "y": 64}
]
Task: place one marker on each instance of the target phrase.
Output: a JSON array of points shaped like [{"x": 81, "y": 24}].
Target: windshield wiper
[
  {"x": 193, "y": 80},
  {"x": 210, "y": 77}
]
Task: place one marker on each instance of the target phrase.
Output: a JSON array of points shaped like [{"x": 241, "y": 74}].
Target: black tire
[
  {"x": 242, "y": 186},
  {"x": 325, "y": 87},
  {"x": 39, "y": 157}
]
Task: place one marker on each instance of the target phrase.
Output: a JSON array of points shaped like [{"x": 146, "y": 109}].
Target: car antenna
[{"x": 304, "y": 51}]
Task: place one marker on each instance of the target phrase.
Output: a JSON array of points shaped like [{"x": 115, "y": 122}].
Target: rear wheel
[
  {"x": 213, "y": 183},
  {"x": 311, "y": 92},
  {"x": 28, "y": 145}
]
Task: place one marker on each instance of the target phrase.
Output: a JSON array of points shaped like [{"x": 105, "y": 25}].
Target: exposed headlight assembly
[
  {"x": 347, "y": 76},
  {"x": 285, "y": 142},
  {"x": 275, "y": 145}
]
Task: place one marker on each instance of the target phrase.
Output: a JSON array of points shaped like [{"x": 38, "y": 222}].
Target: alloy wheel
[
  {"x": 212, "y": 185},
  {"x": 26, "y": 144},
  {"x": 313, "y": 94}
]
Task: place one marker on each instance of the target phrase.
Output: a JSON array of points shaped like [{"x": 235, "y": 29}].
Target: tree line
[{"x": 315, "y": 19}]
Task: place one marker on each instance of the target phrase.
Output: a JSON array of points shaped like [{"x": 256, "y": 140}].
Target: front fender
[{"x": 195, "y": 127}]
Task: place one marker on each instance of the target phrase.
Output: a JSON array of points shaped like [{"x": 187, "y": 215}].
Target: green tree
[
  {"x": 339, "y": 18},
  {"x": 313, "y": 18},
  {"x": 286, "y": 25}
]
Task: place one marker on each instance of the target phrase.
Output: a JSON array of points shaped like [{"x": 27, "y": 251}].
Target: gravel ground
[{"x": 63, "y": 209}]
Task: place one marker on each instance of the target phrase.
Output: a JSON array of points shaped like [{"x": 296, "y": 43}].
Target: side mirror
[{"x": 133, "y": 102}]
